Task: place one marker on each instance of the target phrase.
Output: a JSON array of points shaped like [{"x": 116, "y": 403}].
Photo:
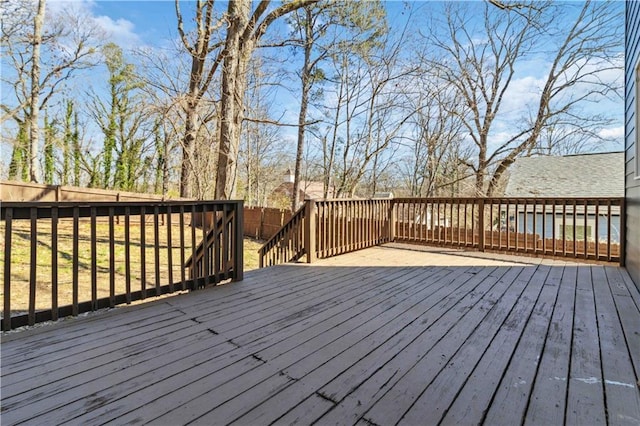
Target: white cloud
[
  {"x": 119, "y": 31},
  {"x": 523, "y": 93},
  {"x": 612, "y": 133}
]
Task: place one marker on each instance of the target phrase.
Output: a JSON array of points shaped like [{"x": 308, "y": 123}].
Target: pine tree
[{"x": 18, "y": 165}]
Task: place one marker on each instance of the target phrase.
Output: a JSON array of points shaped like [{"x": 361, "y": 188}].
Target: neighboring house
[
  {"x": 631, "y": 145},
  {"x": 308, "y": 190},
  {"x": 571, "y": 176}
]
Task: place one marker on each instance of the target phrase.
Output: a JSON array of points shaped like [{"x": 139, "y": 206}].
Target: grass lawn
[{"x": 21, "y": 260}]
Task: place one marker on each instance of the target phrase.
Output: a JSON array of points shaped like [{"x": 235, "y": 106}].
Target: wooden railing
[
  {"x": 343, "y": 226},
  {"x": 62, "y": 259},
  {"x": 582, "y": 228},
  {"x": 328, "y": 228},
  {"x": 290, "y": 242}
]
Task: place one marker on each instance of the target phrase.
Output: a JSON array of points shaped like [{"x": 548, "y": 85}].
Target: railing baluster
[
  {"x": 94, "y": 260},
  {"x": 156, "y": 248},
  {"x": 169, "y": 249},
  {"x": 585, "y": 233},
  {"x": 8, "y": 232},
  {"x": 74, "y": 279},
  {"x": 33, "y": 265},
  {"x": 221, "y": 248},
  {"x": 609, "y": 231},
  {"x": 575, "y": 225},
  {"x": 127, "y": 253},
  {"x": 112, "y": 261},
  {"x": 182, "y": 258},
  {"x": 564, "y": 229},
  {"x": 205, "y": 252},
  {"x": 474, "y": 212},
  {"x": 238, "y": 243},
  {"x": 544, "y": 227},
  {"x": 517, "y": 219},
  {"x": 524, "y": 224},
  {"x": 508, "y": 224},
  {"x": 535, "y": 226},
  {"x": 596, "y": 232},
  {"x": 143, "y": 254},
  {"x": 194, "y": 270},
  {"x": 54, "y": 263},
  {"x": 553, "y": 228},
  {"x": 490, "y": 223}
]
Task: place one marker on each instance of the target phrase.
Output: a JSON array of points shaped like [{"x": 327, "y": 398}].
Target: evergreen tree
[
  {"x": 18, "y": 165},
  {"x": 49, "y": 142}
]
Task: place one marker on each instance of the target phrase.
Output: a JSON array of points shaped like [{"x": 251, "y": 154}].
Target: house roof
[
  {"x": 585, "y": 175},
  {"x": 308, "y": 189}
]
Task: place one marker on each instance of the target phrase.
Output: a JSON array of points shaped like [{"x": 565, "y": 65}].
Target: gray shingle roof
[{"x": 586, "y": 175}]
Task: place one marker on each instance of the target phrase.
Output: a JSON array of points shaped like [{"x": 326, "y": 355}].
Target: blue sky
[{"x": 152, "y": 23}]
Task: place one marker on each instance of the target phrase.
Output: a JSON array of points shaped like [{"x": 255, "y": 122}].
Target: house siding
[
  {"x": 632, "y": 184},
  {"x": 604, "y": 233}
]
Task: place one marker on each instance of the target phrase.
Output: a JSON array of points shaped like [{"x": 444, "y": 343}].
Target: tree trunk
[
  {"x": 232, "y": 100},
  {"x": 34, "y": 102},
  {"x": 482, "y": 168},
  {"x": 188, "y": 147},
  {"x": 77, "y": 152},
  {"x": 304, "y": 103}
]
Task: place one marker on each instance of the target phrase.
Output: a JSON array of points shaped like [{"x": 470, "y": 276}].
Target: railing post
[
  {"x": 622, "y": 231},
  {"x": 310, "y": 230},
  {"x": 393, "y": 218},
  {"x": 238, "y": 243},
  {"x": 481, "y": 224}
]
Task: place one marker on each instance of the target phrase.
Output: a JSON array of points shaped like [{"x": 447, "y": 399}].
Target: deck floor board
[
  {"x": 586, "y": 392},
  {"x": 395, "y": 334},
  {"x": 369, "y": 350},
  {"x": 548, "y": 398}
]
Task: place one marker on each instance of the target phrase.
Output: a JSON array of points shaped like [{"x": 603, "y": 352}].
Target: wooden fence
[
  {"x": 581, "y": 228},
  {"x": 26, "y": 192},
  {"x": 259, "y": 222},
  {"x": 263, "y": 223},
  {"x": 59, "y": 259}
]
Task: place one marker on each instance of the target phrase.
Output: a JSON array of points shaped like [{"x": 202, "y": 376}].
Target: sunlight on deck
[{"x": 386, "y": 335}]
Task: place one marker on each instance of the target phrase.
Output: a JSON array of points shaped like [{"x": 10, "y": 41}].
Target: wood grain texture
[{"x": 386, "y": 335}]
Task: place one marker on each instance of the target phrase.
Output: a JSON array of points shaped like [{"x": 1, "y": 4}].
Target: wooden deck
[{"x": 389, "y": 335}]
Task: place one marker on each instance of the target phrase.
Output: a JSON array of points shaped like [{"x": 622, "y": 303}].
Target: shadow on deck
[{"x": 383, "y": 336}]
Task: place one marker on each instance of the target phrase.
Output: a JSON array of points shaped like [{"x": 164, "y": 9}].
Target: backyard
[{"x": 21, "y": 259}]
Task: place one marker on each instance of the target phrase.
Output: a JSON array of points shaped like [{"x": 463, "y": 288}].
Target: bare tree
[
  {"x": 237, "y": 33},
  {"x": 369, "y": 112},
  {"x": 432, "y": 162},
  {"x": 34, "y": 98},
  {"x": 364, "y": 22},
  {"x": 244, "y": 31},
  {"x": 40, "y": 56},
  {"x": 587, "y": 51},
  {"x": 199, "y": 47},
  {"x": 481, "y": 65},
  {"x": 261, "y": 155},
  {"x": 163, "y": 72}
]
